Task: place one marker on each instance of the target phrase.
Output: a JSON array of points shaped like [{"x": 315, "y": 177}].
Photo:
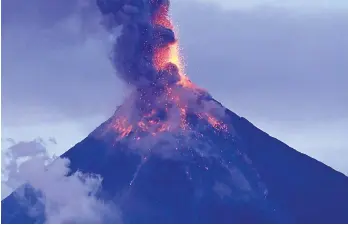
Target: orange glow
[
  {"x": 174, "y": 56},
  {"x": 163, "y": 127},
  {"x": 171, "y": 53},
  {"x": 168, "y": 54},
  {"x": 164, "y": 56},
  {"x": 142, "y": 126},
  {"x": 213, "y": 122},
  {"x": 186, "y": 83},
  {"x": 162, "y": 18},
  {"x": 122, "y": 127}
]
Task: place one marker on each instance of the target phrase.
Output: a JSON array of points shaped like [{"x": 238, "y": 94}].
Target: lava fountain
[{"x": 147, "y": 56}]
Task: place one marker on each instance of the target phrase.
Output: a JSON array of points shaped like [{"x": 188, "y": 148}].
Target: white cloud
[
  {"x": 66, "y": 198},
  {"x": 13, "y": 155},
  {"x": 78, "y": 130}
]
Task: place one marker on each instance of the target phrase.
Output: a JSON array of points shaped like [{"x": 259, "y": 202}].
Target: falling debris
[{"x": 147, "y": 56}]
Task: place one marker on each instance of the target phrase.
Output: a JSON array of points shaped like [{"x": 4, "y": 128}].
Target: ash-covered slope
[{"x": 248, "y": 177}]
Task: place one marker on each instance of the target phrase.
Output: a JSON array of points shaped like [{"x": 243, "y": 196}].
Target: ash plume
[
  {"x": 134, "y": 50},
  {"x": 146, "y": 55}
]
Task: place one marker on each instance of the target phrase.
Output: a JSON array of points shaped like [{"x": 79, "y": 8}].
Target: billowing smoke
[
  {"x": 134, "y": 51},
  {"x": 146, "y": 55}
]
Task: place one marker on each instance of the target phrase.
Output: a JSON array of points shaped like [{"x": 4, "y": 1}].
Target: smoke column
[
  {"x": 146, "y": 56},
  {"x": 144, "y": 33}
]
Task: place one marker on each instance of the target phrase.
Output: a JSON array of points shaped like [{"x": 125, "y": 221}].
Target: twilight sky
[{"x": 282, "y": 64}]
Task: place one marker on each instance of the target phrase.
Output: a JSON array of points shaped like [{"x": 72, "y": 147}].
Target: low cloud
[
  {"x": 14, "y": 154},
  {"x": 66, "y": 199},
  {"x": 63, "y": 197}
]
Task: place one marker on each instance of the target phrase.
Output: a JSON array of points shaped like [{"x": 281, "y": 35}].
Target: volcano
[
  {"x": 214, "y": 178},
  {"x": 171, "y": 153}
]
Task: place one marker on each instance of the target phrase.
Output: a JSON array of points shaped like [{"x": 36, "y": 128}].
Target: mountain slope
[
  {"x": 311, "y": 191},
  {"x": 247, "y": 178}
]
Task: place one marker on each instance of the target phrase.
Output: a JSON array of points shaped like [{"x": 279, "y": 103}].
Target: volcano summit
[{"x": 173, "y": 154}]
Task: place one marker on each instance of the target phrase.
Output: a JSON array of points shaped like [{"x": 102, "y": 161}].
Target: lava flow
[{"x": 166, "y": 95}]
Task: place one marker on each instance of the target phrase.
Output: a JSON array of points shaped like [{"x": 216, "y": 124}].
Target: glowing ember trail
[
  {"x": 171, "y": 53},
  {"x": 219, "y": 125},
  {"x": 165, "y": 99}
]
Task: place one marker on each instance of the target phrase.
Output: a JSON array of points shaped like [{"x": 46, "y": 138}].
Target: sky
[
  {"x": 298, "y": 5},
  {"x": 281, "y": 64}
]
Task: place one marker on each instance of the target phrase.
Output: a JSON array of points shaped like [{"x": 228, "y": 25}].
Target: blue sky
[{"x": 283, "y": 70}]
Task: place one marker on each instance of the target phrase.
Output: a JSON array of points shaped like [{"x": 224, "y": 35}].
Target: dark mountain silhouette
[{"x": 249, "y": 177}]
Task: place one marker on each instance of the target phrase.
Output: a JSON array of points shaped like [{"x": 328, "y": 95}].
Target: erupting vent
[{"x": 147, "y": 56}]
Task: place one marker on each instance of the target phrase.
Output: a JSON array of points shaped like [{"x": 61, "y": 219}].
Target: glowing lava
[
  {"x": 122, "y": 126},
  {"x": 219, "y": 125},
  {"x": 171, "y": 53},
  {"x": 172, "y": 100}
]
